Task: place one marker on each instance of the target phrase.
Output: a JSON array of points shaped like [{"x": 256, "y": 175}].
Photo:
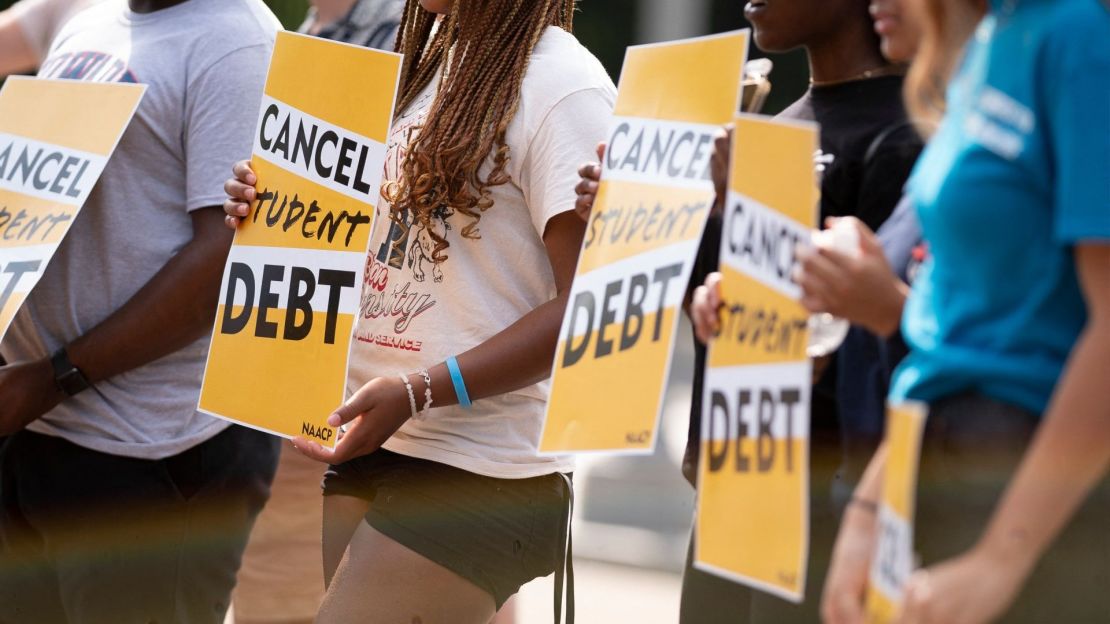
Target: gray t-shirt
[
  {"x": 204, "y": 63},
  {"x": 369, "y": 23}
]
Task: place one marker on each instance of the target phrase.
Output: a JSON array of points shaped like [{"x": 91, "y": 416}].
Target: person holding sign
[
  {"x": 119, "y": 502},
  {"x": 869, "y": 149},
  {"x": 436, "y": 502},
  {"x": 281, "y": 579},
  {"x": 1009, "y": 334}
]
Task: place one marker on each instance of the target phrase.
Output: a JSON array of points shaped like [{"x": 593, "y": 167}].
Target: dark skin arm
[
  {"x": 517, "y": 357},
  {"x": 175, "y": 308}
]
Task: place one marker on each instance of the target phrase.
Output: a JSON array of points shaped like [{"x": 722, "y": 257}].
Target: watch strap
[{"x": 69, "y": 379}]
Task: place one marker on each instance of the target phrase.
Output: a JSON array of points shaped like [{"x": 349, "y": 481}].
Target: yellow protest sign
[
  {"x": 56, "y": 137},
  {"x": 279, "y": 354},
  {"x": 617, "y": 336},
  {"x": 753, "y": 498},
  {"x": 893, "y": 560}
]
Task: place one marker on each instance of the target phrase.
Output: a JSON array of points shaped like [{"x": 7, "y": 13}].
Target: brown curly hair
[{"x": 481, "y": 50}]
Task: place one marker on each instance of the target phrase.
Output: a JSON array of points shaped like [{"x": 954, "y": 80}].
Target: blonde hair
[
  {"x": 480, "y": 50},
  {"x": 946, "y": 26}
]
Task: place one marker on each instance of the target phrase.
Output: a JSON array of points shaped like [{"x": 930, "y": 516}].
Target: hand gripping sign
[
  {"x": 753, "y": 507},
  {"x": 279, "y": 354},
  {"x": 893, "y": 560},
  {"x": 55, "y": 139},
  {"x": 617, "y": 335}
]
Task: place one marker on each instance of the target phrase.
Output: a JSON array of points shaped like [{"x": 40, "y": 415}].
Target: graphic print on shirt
[
  {"x": 1000, "y": 123},
  {"x": 89, "y": 66},
  {"x": 400, "y": 269}
]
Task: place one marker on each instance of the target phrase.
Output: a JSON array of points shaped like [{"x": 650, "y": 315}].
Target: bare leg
[
  {"x": 382, "y": 582},
  {"x": 342, "y": 515},
  {"x": 507, "y": 614}
]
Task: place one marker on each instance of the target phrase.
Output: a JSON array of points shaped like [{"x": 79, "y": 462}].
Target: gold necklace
[{"x": 885, "y": 70}]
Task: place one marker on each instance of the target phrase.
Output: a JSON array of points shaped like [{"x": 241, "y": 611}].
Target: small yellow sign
[
  {"x": 618, "y": 333},
  {"x": 56, "y": 137},
  {"x": 894, "y": 561},
  {"x": 291, "y": 287},
  {"x": 753, "y": 499}
]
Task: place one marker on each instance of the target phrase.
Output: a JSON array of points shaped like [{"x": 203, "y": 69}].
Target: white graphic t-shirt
[{"x": 416, "y": 313}]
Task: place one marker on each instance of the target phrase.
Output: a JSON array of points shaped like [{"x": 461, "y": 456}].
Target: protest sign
[
  {"x": 279, "y": 355},
  {"x": 753, "y": 499},
  {"x": 617, "y": 335},
  {"x": 56, "y": 137},
  {"x": 893, "y": 561}
]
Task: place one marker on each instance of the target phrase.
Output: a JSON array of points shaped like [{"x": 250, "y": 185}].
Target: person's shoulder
[
  {"x": 560, "y": 66},
  {"x": 1077, "y": 13},
  {"x": 249, "y": 21},
  {"x": 1077, "y": 31},
  {"x": 221, "y": 28}
]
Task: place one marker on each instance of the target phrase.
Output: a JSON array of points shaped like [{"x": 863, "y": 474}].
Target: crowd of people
[{"x": 967, "y": 142}]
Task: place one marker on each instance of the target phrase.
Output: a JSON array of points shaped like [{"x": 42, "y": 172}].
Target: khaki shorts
[{"x": 282, "y": 577}]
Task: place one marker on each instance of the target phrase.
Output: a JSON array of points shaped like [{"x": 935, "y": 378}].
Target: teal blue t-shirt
[{"x": 1016, "y": 176}]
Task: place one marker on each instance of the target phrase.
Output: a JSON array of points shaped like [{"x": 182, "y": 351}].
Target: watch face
[{"x": 68, "y": 377}]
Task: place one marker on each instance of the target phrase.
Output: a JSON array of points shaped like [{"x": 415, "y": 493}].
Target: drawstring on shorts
[{"x": 565, "y": 562}]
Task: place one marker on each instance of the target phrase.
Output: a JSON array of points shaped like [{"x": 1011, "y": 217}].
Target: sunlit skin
[
  {"x": 437, "y": 6},
  {"x": 898, "y": 36}
]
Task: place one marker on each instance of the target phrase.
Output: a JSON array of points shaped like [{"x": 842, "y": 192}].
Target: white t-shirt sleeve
[
  {"x": 566, "y": 138},
  {"x": 221, "y": 110}
]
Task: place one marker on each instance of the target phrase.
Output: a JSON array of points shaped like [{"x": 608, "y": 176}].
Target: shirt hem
[
  {"x": 133, "y": 450},
  {"x": 496, "y": 470}
]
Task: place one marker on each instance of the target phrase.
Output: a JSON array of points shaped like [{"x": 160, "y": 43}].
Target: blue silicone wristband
[{"x": 457, "y": 381}]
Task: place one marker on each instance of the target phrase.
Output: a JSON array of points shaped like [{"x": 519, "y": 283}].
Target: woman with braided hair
[{"x": 436, "y": 509}]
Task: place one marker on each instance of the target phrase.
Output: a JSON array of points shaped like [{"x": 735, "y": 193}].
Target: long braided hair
[{"x": 480, "y": 50}]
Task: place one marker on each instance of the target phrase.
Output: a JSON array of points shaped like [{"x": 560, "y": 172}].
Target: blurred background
[
  {"x": 607, "y": 27},
  {"x": 633, "y": 514}
]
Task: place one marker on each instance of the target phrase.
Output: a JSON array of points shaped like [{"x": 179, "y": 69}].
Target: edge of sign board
[
  {"x": 119, "y": 85},
  {"x": 795, "y": 123},
  {"x": 795, "y": 598},
  {"x": 720, "y": 35},
  {"x": 659, "y": 44},
  {"x": 293, "y": 33},
  {"x": 247, "y": 424},
  {"x": 636, "y": 452}
]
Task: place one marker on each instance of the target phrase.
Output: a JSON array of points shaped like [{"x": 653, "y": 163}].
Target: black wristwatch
[{"x": 67, "y": 377}]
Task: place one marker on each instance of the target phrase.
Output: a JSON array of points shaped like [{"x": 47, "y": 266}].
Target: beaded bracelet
[
  {"x": 412, "y": 397},
  {"x": 427, "y": 393}
]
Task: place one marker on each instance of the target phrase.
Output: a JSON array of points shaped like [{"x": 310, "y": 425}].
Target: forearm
[
  {"x": 870, "y": 488},
  {"x": 517, "y": 357},
  {"x": 1068, "y": 456},
  {"x": 175, "y": 308},
  {"x": 888, "y": 307},
  {"x": 16, "y": 55}
]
